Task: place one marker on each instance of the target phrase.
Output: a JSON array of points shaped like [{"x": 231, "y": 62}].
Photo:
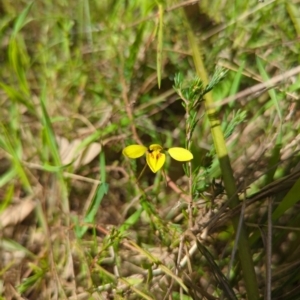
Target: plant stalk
[{"x": 228, "y": 178}]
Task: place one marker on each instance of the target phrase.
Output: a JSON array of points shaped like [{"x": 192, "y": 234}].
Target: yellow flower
[{"x": 154, "y": 156}]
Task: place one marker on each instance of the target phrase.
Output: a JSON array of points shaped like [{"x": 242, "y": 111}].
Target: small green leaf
[
  {"x": 20, "y": 21},
  {"x": 131, "y": 220}
]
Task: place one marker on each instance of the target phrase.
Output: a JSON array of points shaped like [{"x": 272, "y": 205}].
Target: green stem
[
  {"x": 190, "y": 204},
  {"x": 229, "y": 181}
]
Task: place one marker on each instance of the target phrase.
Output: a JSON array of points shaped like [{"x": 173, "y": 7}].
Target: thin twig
[
  {"x": 128, "y": 108},
  {"x": 269, "y": 252},
  {"x": 259, "y": 87},
  {"x": 176, "y": 189}
]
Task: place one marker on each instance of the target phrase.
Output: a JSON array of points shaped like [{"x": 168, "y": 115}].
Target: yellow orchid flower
[{"x": 154, "y": 156}]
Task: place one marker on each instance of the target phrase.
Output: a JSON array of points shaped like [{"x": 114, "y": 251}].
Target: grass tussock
[{"x": 80, "y": 81}]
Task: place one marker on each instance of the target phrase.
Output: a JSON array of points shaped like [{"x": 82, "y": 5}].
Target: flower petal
[
  {"x": 155, "y": 160},
  {"x": 155, "y": 147},
  {"x": 134, "y": 151},
  {"x": 180, "y": 154}
]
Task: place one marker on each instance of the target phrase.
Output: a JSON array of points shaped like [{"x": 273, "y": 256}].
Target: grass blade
[{"x": 159, "y": 43}]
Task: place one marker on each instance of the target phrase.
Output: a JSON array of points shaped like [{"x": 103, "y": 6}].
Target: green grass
[{"x": 82, "y": 80}]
